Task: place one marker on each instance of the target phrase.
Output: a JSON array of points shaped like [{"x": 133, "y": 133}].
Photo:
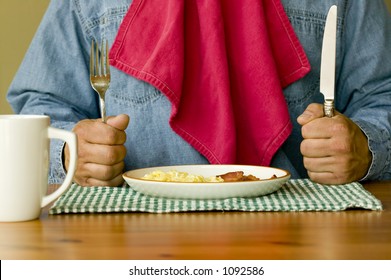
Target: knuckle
[
  {"x": 304, "y": 147},
  {"x": 111, "y": 136},
  {"x": 339, "y": 128},
  {"x": 107, "y": 173},
  {"x": 340, "y": 179},
  {"x": 121, "y": 137},
  {"x": 82, "y": 154},
  {"x": 118, "y": 181},
  {"x": 305, "y": 129},
  {"x": 116, "y": 137},
  {"x": 110, "y": 172},
  {"x": 342, "y": 147},
  {"x": 115, "y": 154},
  {"x": 122, "y": 152},
  {"x": 111, "y": 156},
  {"x": 81, "y": 129},
  {"x": 307, "y": 163},
  {"x": 314, "y": 176},
  {"x": 341, "y": 173},
  {"x": 84, "y": 181}
]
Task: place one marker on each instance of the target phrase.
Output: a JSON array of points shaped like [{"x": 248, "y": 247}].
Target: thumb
[
  {"x": 312, "y": 112},
  {"x": 119, "y": 122}
]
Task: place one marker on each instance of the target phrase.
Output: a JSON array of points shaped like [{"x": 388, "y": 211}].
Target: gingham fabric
[{"x": 295, "y": 195}]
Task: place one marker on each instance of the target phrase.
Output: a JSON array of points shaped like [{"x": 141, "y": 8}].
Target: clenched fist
[
  {"x": 335, "y": 150},
  {"x": 101, "y": 151}
]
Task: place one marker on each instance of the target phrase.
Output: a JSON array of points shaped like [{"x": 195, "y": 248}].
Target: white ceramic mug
[{"x": 24, "y": 165}]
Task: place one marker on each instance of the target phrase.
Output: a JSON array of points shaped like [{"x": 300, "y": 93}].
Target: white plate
[{"x": 179, "y": 190}]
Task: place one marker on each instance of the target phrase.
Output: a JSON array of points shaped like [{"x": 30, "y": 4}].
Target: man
[{"x": 353, "y": 145}]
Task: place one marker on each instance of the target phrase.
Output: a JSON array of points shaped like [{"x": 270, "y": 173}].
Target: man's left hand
[{"x": 335, "y": 150}]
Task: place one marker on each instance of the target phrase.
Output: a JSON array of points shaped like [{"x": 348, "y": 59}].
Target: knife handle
[{"x": 328, "y": 108}]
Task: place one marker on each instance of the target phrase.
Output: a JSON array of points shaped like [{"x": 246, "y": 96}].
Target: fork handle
[{"x": 103, "y": 110}]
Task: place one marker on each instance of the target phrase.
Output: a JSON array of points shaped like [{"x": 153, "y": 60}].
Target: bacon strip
[{"x": 237, "y": 176}]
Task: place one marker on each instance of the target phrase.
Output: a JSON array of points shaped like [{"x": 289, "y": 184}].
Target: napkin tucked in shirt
[
  {"x": 222, "y": 65},
  {"x": 295, "y": 195}
]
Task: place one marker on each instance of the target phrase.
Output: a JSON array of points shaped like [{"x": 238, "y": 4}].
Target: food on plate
[
  {"x": 178, "y": 176},
  {"x": 185, "y": 177},
  {"x": 237, "y": 176}
]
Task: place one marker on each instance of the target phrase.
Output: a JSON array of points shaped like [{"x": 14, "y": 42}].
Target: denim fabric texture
[{"x": 53, "y": 79}]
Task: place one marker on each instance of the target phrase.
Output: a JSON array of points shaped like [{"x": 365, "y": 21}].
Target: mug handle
[{"x": 71, "y": 139}]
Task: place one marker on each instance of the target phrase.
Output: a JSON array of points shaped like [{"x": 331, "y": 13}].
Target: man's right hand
[{"x": 101, "y": 151}]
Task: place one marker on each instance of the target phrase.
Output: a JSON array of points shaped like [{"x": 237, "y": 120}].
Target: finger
[
  {"x": 327, "y": 178},
  {"x": 330, "y": 178},
  {"x": 330, "y": 170},
  {"x": 322, "y": 164},
  {"x": 103, "y": 172},
  {"x": 90, "y": 174},
  {"x": 316, "y": 148},
  {"x": 92, "y": 182},
  {"x": 95, "y": 131},
  {"x": 318, "y": 129},
  {"x": 102, "y": 154},
  {"x": 115, "y": 182}
]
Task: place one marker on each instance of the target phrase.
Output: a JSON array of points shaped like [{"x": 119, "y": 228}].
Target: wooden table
[{"x": 352, "y": 234}]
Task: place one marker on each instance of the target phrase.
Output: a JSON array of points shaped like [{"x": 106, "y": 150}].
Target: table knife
[{"x": 327, "y": 68}]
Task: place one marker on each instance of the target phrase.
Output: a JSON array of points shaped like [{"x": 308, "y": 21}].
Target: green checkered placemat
[{"x": 295, "y": 195}]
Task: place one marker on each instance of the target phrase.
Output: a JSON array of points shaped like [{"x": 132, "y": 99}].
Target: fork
[{"x": 100, "y": 73}]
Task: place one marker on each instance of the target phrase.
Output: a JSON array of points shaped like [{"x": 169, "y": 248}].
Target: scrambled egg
[{"x": 177, "y": 176}]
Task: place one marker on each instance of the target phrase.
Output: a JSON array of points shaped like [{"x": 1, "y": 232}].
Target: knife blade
[{"x": 327, "y": 68}]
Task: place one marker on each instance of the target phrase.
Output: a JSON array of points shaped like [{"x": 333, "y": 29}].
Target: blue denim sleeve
[
  {"x": 364, "y": 79},
  {"x": 53, "y": 78}
]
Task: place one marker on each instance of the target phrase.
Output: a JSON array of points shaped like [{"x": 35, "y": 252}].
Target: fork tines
[
  {"x": 101, "y": 58},
  {"x": 100, "y": 72}
]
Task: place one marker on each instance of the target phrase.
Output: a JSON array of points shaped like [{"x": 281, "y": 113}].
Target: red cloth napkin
[{"x": 223, "y": 65}]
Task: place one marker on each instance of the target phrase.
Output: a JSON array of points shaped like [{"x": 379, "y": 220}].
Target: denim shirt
[{"x": 53, "y": 79}]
